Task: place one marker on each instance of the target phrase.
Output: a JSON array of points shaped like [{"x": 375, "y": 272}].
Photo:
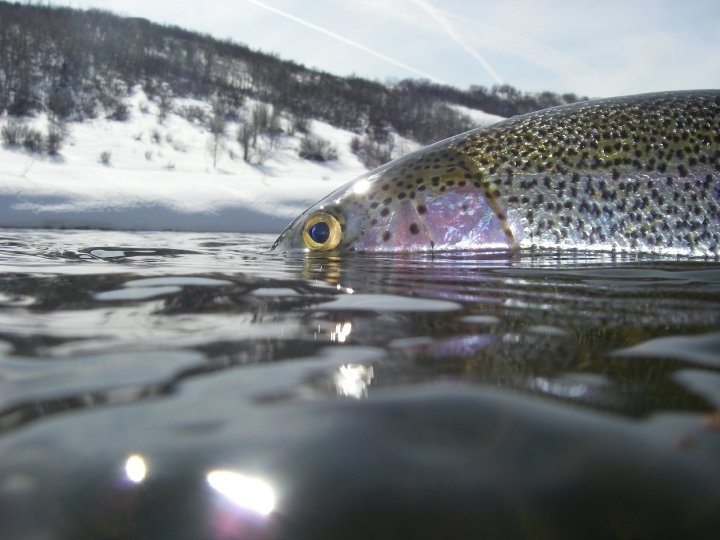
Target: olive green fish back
[{"x": 635, "y": 172}]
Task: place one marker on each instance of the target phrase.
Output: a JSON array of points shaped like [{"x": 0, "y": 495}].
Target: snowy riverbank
[{"x": 159, "y": 175}]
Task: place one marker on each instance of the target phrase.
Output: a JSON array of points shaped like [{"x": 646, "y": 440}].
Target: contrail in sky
[
  {"x": 457, "y": 38},
  {"x": 345, "y": 40}
]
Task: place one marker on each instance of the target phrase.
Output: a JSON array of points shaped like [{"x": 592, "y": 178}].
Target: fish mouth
[{"x": 285, "y": 234}]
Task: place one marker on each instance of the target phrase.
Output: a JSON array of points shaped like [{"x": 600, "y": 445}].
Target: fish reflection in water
[{"x": 217, "y": 392}]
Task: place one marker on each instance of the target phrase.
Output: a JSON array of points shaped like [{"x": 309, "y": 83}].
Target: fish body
[{"x": 637, "y": 173}]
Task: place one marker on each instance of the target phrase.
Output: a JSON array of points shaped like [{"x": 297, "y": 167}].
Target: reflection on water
[
  {"x": 341, "y": 333},
  {"x": 136, "y": 469},
  {"x": 353, "y": 380},
  {"x": 246, "y": 492},
  {"x": 193, "y": 386}
]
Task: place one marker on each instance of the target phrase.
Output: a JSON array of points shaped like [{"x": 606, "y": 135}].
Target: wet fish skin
[{"x": 635, "y": 173}]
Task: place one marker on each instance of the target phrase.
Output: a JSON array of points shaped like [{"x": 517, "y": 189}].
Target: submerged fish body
[{"x": 636, "y": 173}]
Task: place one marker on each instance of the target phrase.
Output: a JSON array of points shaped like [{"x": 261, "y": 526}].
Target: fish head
[{"x": 430, "y": 200}]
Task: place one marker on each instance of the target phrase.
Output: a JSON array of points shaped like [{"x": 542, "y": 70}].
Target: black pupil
[{"x": 319, "y": 232}]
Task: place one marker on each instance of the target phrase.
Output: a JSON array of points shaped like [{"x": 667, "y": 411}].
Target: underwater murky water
[{"x": 165, "y": 385}]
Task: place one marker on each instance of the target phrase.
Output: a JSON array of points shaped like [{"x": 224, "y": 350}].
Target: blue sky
[{"x": 590, "y": 47}]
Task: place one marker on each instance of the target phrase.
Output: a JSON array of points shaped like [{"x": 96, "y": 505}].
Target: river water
[{"x": 168, "y": 385}]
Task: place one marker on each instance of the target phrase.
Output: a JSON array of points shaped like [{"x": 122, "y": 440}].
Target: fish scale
[{"x": 636, "y": 173}]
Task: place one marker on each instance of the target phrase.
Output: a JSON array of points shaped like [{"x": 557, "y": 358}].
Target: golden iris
[{"x": 322, "y": 231}]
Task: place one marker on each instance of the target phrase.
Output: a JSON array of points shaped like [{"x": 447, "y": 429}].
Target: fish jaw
[{"x": 290, "y": 240}]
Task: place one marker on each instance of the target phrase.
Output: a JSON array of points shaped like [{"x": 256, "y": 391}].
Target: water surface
[{"x": 179, "y": 385}]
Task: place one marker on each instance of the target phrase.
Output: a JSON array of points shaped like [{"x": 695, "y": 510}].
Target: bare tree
[
  {"x": 258, "y": 133},
  {"x": 217, "y": 127},
  {"x": 165, "y": 101}
]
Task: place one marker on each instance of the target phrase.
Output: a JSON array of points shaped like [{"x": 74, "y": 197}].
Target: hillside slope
[{"x": 153, "y": 173}]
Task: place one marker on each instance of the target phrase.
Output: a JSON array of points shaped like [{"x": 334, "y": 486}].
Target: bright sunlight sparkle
[
  {"x": 136, "y": 468},
  {"x": 244, "y": 491}
]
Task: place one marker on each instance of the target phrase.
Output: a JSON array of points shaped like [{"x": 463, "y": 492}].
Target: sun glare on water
[{"x": 246, "y": 492}]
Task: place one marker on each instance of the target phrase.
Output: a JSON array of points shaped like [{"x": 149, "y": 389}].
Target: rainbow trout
[{"x": 637, "y": 173}]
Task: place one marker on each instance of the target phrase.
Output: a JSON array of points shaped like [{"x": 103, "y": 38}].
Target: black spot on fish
[
  {"x": 386, "y": 236},
  {"x": 421, "y": 208},
  {"x": 385, "y": 212},
  {"x": 414, "y": 229}
]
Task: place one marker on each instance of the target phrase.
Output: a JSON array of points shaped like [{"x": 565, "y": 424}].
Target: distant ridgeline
[{"x": 77, "y": 64}]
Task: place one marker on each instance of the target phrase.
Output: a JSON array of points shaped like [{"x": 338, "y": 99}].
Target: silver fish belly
[{"x": 636, "y": 173}]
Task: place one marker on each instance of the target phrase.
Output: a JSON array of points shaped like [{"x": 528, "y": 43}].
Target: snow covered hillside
[{"x": 148, "y": 173}]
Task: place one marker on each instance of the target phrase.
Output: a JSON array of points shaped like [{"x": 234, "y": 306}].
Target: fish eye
[{"x": 322, "y": 231}]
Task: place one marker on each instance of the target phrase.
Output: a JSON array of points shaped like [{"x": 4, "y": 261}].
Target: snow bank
[
  {"x": 148, "y": 174},
  {"x": 160, "y": 176},
  {"x": 481, "y": 118},
  {"x": 62, "y": 196}
]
